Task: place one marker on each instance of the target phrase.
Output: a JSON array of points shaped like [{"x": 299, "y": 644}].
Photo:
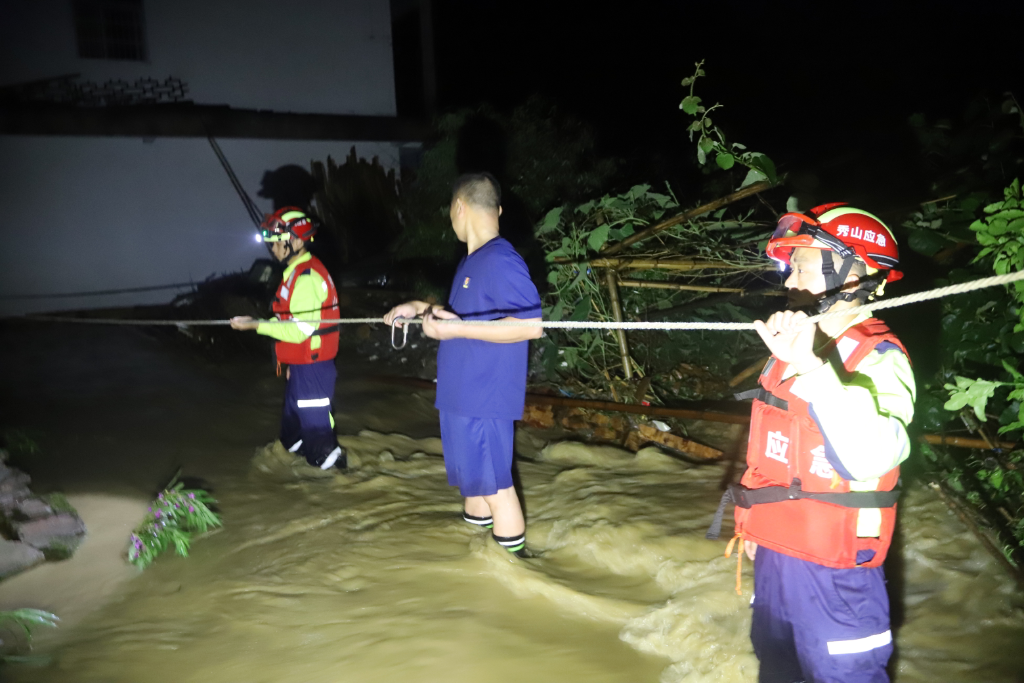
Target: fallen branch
[
  {"x": 953, "y": 503},
  {"x": 682, "y": 413},
  {"x": 687, "y": 215}
]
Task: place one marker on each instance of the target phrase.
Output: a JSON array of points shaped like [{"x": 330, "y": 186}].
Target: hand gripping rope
[{"x": 929, "y": 295}]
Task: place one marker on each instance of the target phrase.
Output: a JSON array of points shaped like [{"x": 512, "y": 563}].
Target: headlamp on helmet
[
  {"x": 285, "y": 224},
  {"x": 851, "y": 234}
]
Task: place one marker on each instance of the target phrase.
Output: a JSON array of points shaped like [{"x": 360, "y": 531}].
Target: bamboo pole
[
  {"x": 673, "y": 264},
  {"x": 655, "y": 284},
  {"x": 613, "y": 294},
  {"x": 687, "y": 215}
]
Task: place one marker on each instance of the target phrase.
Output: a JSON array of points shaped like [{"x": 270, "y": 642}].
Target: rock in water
[
  {"x": 17, "y": 557},
  {"x": 57, "y": 536},
  {"x": 33, "y": 508}
]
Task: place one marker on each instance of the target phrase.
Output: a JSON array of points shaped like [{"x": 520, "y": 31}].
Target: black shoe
[{"x": 336, "y": 458}]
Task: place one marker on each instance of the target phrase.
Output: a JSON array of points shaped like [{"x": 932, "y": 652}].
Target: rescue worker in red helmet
[
  {"x": 816, "y": 506},
  {"x": 306, "y": 296}
]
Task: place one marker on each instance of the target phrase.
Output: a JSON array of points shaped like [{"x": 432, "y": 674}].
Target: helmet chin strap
[
  {"x": 288, "y": 254},
  {"x": 835, "y": 281}
]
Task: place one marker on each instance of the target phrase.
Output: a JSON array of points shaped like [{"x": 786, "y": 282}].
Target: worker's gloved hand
[
  {"x": 244, "y": 322},
  {"x": 791, "y": 339}
]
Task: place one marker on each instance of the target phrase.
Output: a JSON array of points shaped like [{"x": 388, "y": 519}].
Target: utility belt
[{"x": 746, "y": 498}]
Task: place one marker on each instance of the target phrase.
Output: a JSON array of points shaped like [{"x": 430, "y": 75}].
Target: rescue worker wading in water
[
  {"x": 816, "y": 507},
  {"x": 307, "y": 347}
]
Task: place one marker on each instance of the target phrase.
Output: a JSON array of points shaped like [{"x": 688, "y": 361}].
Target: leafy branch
[{"x": 711, "y": 139}]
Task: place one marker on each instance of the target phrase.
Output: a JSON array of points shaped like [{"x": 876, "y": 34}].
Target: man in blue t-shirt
[{"x": 481, "y": 370}]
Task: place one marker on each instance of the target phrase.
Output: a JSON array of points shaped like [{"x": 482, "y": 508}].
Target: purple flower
[
  {"x": 150, "y": 509},
  {"x": 158, "y": 514},
  {"x": 161, "y": 496},
  {"x": 191, "y": 495},
  {"x": 191, "y": 509}
]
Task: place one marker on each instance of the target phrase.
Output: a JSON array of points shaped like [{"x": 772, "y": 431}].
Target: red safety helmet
[
  {"x": 847, "y": 231},
  {"x": 285, "y": 224}
]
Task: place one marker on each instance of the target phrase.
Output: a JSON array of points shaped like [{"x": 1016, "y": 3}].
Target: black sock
[
  {"x": 513, "y": 544},
  {"x": 487, "y": 521}
]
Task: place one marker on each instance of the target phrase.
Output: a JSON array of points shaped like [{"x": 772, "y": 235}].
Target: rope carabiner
[{"x": 405, "y": 334}]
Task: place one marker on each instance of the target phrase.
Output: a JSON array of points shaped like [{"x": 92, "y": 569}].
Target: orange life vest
[
  {"x": 303, "y": 353},
  {"x": 786, "y": 449}
]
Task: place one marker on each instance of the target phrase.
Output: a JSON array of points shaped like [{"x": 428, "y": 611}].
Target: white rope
[{"x": 929, "y": 295}]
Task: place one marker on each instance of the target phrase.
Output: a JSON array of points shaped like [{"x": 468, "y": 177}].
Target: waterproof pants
[
  {"x": 817, "y": 624},
  {"x": 307, "y": 425}
]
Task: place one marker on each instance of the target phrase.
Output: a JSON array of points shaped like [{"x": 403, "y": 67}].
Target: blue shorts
[
  {"x": 477, "y": 453},
  {"x": 816, "y": 623}
]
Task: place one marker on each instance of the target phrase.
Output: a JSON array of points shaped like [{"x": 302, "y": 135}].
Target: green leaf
[
  {"x": 978, "y": 395},
  {"x": 753, "y": 176},
  {"x": 622, "y": 233},
  {"x": 725, "y": 161},
  {"x": 582, "y": 310},
  {"x": 956, "y": 402},
  {"x": 690, "y": 104},
  {"x": 553, "y": 277},
  {"x": 598, "y": 237},
  {"x": 550, "y": 221},
  {"x": 707, "y": 144},
  {"x": 763, "y": 164},
  {"x": 926, "y": 242},
  {"x": 557, "y": 253}
]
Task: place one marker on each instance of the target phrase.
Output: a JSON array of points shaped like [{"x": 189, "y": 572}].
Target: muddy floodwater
[{"x": 372, "y": 576}]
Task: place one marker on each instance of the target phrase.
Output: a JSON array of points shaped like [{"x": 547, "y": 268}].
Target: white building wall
[
  {"x": 87, "y": 214},
  {"x": 92, "y": 213},
  {"x": 310, "y": 56}
]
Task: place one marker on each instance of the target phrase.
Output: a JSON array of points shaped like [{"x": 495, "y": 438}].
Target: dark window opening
[{"x": 110, "y": 29}]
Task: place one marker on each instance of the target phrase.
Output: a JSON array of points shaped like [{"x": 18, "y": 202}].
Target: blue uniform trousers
[
  {"x": 307, "y": 426},
  {"x": 817, "y": 624}
]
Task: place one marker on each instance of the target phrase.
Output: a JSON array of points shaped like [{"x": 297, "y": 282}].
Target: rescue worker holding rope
[
  {"x": 816, "y": 507},
  {"x": 306, "y": 295}
]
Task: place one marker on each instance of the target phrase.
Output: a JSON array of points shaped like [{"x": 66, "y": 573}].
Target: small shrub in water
[{"x": 173, "y": 518}]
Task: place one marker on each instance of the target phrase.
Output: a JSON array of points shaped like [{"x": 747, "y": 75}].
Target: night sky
[{"x": 822, "y": 89}]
